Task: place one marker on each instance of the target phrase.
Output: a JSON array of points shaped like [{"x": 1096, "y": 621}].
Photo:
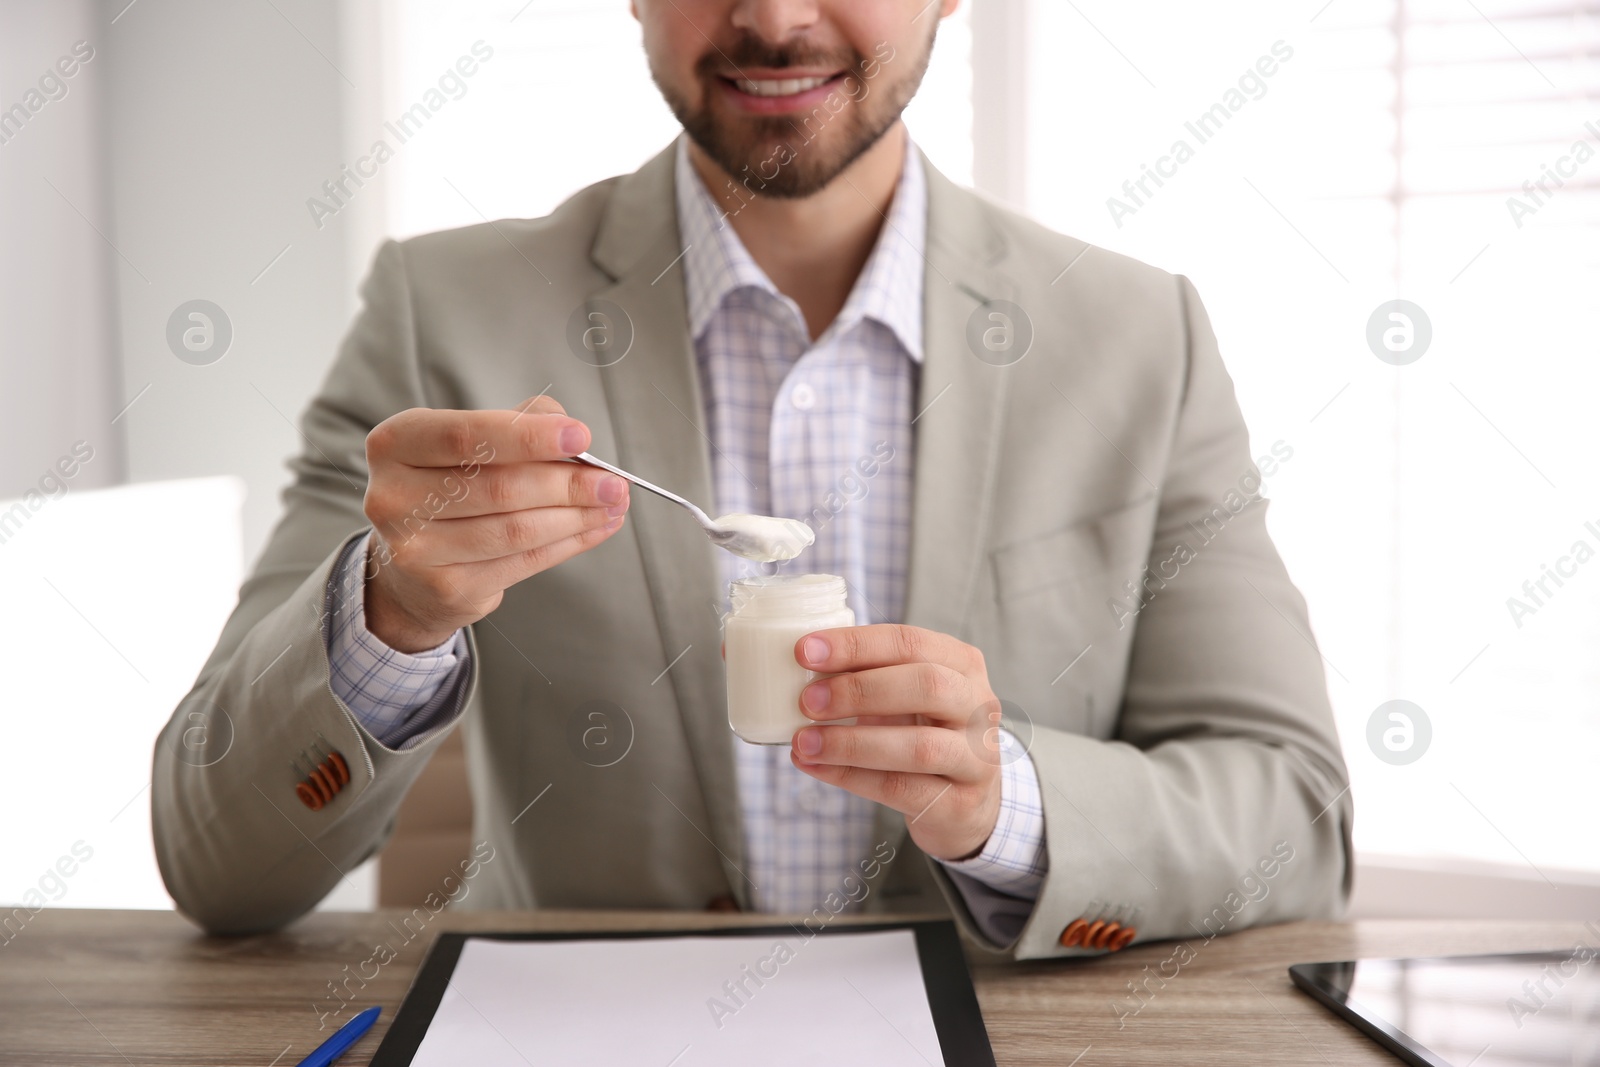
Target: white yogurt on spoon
[{"x": 763, "y": 538}]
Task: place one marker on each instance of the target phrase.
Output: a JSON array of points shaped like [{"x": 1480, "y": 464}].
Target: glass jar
[{"x": 769, "y": 616}]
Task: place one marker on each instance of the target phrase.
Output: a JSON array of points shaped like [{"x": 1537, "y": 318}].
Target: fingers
[
  {"x": 468, "y": 503},
  {"x": 438, "y": 597},
  {"x": 856, "y": 648},
  {"x": 465, "y": 584},
  {"x": 948, "y": 794},
  {"x": 423, "y": 437},
  {"x": 909, "y": 749},
  {"x": 506, "y": 571},
  {"x": 542, "y": 403},
  {"x": 928, "y": 689},
  {"x": 478, "y": 539},
  {"x": 498, "y": 488},
  {"x": 909, "y": 793},
  {"x": 947, "y": 818}
]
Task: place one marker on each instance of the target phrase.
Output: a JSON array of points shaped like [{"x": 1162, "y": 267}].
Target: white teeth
[{"x": 784, "y": 87}]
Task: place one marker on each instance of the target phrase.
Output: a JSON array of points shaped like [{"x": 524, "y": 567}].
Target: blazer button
[
  {"x": 723, "y": 903},
  {"x": 1072, "y": 936},
  {"x": 324, "y": 782},
  {"x": 1103, "y": 938}
]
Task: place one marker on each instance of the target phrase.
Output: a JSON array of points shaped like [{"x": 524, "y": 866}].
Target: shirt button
[{"x": 803, "y": 397}]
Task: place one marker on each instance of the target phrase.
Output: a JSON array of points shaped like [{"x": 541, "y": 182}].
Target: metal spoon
[{"x": 758, "y": 537}]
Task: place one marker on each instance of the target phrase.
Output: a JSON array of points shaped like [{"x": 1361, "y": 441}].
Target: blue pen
[{"x": 348, "y": 1034}]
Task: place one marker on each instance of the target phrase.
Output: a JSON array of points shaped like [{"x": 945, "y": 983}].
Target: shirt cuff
[
  {"x": 1014, "y": 859},
  {"x": 398, "y": 697}
]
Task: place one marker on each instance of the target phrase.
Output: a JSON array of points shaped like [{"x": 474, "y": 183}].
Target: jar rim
[
  {"x": 779, "y": 594},
  {"x": 781, "y": 580}
]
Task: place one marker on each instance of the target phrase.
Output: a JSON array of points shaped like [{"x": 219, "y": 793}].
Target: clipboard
[{"x": 884, "y": 1022}]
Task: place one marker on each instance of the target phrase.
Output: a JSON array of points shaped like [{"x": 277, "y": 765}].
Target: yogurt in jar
[{"x": 769, "y": 616}]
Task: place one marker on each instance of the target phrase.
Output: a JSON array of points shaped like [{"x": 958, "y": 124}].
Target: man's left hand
[{"x": 925, "y": 741}]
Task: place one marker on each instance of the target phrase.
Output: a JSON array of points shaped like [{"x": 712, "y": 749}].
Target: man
[{"x": 1023, "y": 455}]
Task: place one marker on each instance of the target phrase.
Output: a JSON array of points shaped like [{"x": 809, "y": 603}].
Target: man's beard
[{"x": 793, "y": 156}]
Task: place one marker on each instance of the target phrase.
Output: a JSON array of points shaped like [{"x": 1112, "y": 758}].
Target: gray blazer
[{"x": 1186, "y": 750}]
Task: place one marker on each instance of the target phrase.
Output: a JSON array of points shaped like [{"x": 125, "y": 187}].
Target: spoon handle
[{"x": 584, "y": 457}]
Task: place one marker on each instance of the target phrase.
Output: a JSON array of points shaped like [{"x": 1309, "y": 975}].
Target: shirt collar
[{"x": 888, "y": 289}]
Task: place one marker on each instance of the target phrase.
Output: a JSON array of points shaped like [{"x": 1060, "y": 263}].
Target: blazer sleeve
[
  {"x": 239, "y": 850},
  {"x": 1223, "y": 799}
]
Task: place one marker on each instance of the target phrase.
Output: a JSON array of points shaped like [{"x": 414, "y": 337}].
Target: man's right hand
[{"x": 465, "y": 504}]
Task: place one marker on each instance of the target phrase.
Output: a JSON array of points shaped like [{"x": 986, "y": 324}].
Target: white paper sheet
[{"x": 835, "y": 999}]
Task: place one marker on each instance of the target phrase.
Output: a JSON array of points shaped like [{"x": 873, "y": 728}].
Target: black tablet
[{"x": 1469, "y": 1011}]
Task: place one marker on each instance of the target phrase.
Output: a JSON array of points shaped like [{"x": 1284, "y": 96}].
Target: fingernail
[
  {"x": 816, "y": 697},
  {"x": 614, "y": 523},
  {"x": 815, "y": 650},
  {"x": 620, "y": 509},
  {"x": 809, "y": 742},
  {"x": 611, "y": 489},
  {"x": 572, "y": 440}
]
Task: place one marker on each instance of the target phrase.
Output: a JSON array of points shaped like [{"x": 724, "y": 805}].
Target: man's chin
[
  {"x": 793, "y": 180},
  {"x": 783, "y": 165}
]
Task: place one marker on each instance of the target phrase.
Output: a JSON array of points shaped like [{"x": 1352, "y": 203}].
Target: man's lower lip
[{"x": 773, "y": 105}]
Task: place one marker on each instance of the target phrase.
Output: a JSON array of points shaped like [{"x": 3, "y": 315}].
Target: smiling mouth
[
  {"x": 779, "y": 95},
  {"x": 778, "y": 87}
]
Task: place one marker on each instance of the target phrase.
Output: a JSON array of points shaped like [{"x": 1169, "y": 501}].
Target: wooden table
[{"x": 124, "y": 987}]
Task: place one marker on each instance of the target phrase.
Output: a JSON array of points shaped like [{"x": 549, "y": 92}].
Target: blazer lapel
[
  {"x": 653, "y": 393},
  {"x": 958, "y": 412}
]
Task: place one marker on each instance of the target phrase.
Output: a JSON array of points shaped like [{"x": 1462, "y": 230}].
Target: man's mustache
[{"x": 751, "y": 51}]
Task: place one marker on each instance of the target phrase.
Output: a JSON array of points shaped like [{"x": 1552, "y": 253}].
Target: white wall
[
  {"x": 57, "y": 356},
  {"x": 225, "y": 118}
]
